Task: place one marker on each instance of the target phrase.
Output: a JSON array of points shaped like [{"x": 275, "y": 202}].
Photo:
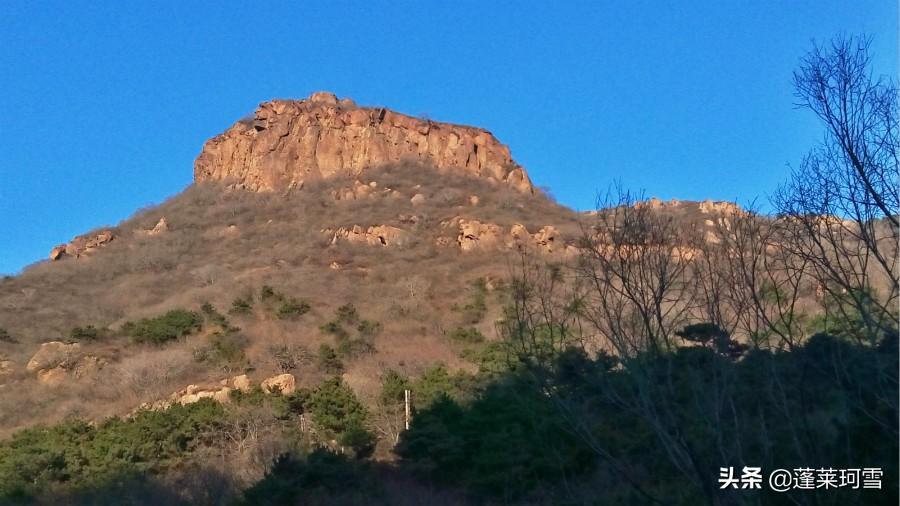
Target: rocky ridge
[{"x": 288, "y": 142}]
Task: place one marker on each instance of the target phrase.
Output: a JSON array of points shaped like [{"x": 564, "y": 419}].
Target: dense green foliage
[
  {"x": 81, "y": 455},
  {"x": 822, "y": 405},
  {"x": 500, "y": 438},
  {"x": 505, "y": 443},
  {"x": 436, "y": 383},
  {"x": 393, "y": 387},
  {"x": 335, "y": 408},
  {"x": 161, "y": 329},
  {"x": 321, "y": 477}
]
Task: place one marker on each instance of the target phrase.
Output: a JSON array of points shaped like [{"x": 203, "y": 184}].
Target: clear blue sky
[{"x": 104, "y": 107}]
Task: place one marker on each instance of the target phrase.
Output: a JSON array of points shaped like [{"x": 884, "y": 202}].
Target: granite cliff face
[{"x": 288, "y": 142}]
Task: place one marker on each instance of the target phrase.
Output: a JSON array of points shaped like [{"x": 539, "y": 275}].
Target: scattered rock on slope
[{"x": 82, "y": 245}]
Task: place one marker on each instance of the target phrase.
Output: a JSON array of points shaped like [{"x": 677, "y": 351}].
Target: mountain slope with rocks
[{"x": 322, "y": 205}]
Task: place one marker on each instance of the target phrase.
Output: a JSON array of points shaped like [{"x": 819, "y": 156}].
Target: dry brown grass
[{"x": 223, "y": 244}]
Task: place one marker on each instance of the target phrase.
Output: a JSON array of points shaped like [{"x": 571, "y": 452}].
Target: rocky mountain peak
[{"x": 288, "y": 142}]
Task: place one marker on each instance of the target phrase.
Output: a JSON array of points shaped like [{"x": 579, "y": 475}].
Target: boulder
[
  {"x": 546, "y": 238},
  {"x": 161, "y": 226},
  {"x": 194, "y": 393},
  {"x": 475, "y": 234},
  {"x": 7, "y": 367},
  {"x": 241, "y": 383},
  {"x": 417, "y": 199},
  {"x": 58, "y": 252},
  {"x": 222, "y": 395},
  {"x": 284, "y": 383},
  {"x": 53, "y": 354},
  {"x": 53, "y": 377}
]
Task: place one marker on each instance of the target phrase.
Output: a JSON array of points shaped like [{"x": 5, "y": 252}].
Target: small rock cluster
[
  {"x": 284, "y": 383},
  {"x": 161, "y": 226},
  {"x": 82, "y": 245},
  {"x": 474, "y": 234},
  {"x": 706, "y": 206},
  {"x": 376, "y": 235}
]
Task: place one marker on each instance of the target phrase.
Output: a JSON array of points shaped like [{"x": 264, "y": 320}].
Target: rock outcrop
[
  {"x": 377, "y": 235},
  {"x": 82, "y": 245},
  {"x": 56, "y": 362},
  {"x": 7, "y": 367},
  {"x": 284, "y": 383},
  {"x": 705, "y": 207},
  {"x": 53, "y": 354},
  {"x": 720, "y": 207},
  {"x": 161, "y": 226},
  {"x": 193, "y": 393},
  {"x": 474, "y": 234},
  {"x": 288, "y": 142}
]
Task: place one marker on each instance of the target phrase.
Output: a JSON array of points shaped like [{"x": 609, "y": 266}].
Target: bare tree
[
  {"x": 840, "y": 208},
  {"x": 636, "y": 264}
]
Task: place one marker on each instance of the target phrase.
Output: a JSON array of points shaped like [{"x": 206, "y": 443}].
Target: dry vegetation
[{"x": 224, "y": 244}]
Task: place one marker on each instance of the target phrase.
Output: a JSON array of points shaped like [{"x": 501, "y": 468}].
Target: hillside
[{"x": 330, "y": 259}]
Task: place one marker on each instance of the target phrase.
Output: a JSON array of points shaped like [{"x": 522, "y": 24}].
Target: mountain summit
[{"x": 288, "y": 142}]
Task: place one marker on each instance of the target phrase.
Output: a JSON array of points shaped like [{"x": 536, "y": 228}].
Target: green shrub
[
  {"x": 347, "y": 314},
  {"x": 506, "y": 442},
  {"x": 5, "y": 337},
  {"x": 213, "y": 316},
  {"x": 87, "y": 333},
  {"x": 225, "y": 351},
  {"x": 268, "y": 294},
  {"x": 335, "y": 407},
  {"x": 393, "y": 387},
  {"x": 334, "y": 328},
  {"x": 328, "y": 360},
  {"x": 711, "y": 336},
  {"x": 493, "y": 358},
  {"x": 357, "y": 438},
  {"x": 475, "y": 309},
  {"x": 347, "y": 346},
  {"x": 291, "y": 309},
  {"x": 350, "y": 348},
  {"x": 437, "y": 382},
  {"x": 241, "y": 306},
  {"x": 368, "y": 329},
  {"x": 469, "y": 335},
  {"x": 170, "y": 326}
]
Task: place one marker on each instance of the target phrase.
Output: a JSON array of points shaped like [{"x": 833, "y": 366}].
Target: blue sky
[{"x": 106, "y": 105}]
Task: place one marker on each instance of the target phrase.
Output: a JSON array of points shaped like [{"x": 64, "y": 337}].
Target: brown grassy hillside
[{"x": 222, "y": 245}]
